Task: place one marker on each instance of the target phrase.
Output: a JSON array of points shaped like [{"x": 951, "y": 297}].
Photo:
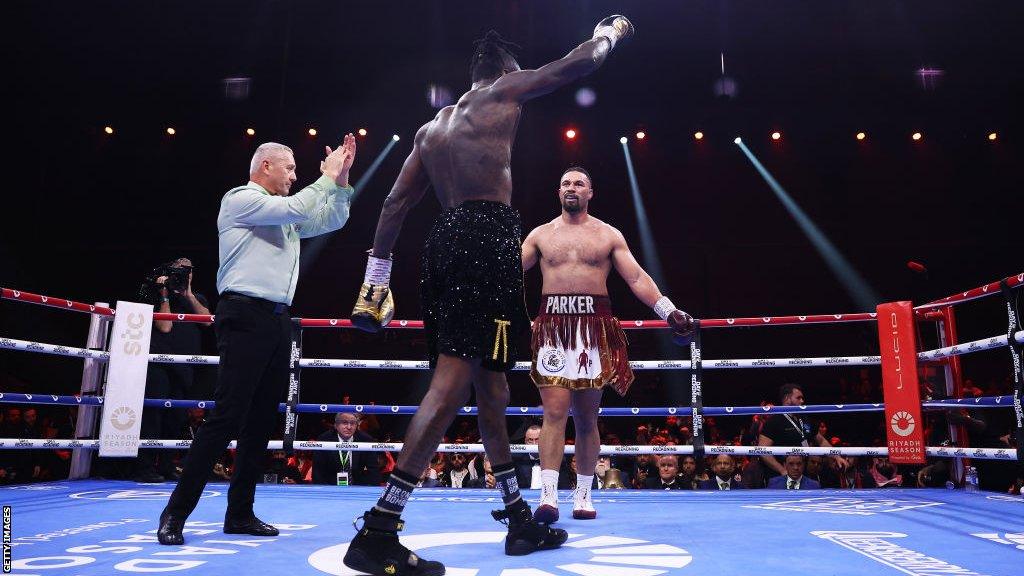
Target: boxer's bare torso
[{"x": 575, "y": 258}]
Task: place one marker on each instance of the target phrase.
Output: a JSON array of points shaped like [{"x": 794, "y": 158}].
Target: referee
[{"x": 259, "y": 227}]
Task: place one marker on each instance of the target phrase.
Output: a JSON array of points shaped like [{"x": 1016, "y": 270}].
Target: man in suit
[
  {"x": 528, "y": 465},
  {"x": 725, "y": 475},
  {"x": 668, "y": 476},
  {"x": 794, "y": 478},
  {"x": 363, "y": 468}
]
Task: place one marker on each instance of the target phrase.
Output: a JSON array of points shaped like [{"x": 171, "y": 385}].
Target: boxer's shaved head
[{"x": 492, "y": 57}]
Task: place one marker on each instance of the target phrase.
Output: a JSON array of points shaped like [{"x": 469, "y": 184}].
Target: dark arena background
[{"x": 761, "y": 159}]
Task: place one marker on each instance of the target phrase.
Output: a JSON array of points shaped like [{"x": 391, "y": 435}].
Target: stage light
[
  {"x": 776, "y": 136},
  {"x": 570, "y": 134},
  {"x": 992, "y": 135},
  {"x": 362, "y": 131},
  {"x": 311, "y": 131},
  {"x": 641, "y": 135},
  {"x": 698, "y": 135},
  {"x": 395, "y": 137},
  {"x": 916, "y": 136},
  {"x": 250, "y": 132},
  {"x": 108, "y": 129},
  {"x": 171, "y": 131},
  {"x": 585, "y": 97},
  {"x": 861, "y": 135},
  {"x": 737, "y": 140},
  {"x": 622, "y": 140}
]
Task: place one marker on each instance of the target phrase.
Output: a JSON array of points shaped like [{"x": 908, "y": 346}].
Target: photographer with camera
[{"x": 169, "y": 288}]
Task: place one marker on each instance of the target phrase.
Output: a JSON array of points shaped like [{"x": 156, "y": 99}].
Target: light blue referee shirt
[{"x": 259, "y": 234}]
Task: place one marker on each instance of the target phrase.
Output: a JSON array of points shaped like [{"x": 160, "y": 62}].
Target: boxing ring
[{"x": 109, "y": 527}]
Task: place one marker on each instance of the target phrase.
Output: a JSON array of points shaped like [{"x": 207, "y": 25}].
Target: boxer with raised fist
[{"x": 472, "y": 285}]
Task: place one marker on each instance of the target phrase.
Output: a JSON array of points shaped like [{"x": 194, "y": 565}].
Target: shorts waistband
[
  {"x": 269, "y": 306},
  {"x": 574, "y": 305}
]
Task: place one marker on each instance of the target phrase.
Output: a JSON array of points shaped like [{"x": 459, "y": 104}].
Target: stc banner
[{"x": 126, "y": 380}]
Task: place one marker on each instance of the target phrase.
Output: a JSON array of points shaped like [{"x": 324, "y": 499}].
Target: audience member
[
  {"x": 458, "y": 473},
  {"x": 668, "y": 477},
  {"x": 790, "y": 430},
  {"x": 528, "y": 465},
  {"x": 794, "y": 478},
  {"x": 358, "y": 468},
  {"x": 725, "y": 477}
]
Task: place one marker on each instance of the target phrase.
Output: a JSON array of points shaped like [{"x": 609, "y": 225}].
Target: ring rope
[
  {"x": 991, "y": 288},
  {"x": 610, "y": 449},
  {"x": 741, "y": 363},
  {"x": 62, "y": 303},
  {"x": 974, "y": 293},
  {"x": 380, "y": 409}
]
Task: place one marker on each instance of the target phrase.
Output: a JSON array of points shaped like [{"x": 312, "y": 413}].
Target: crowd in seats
[
  {"x": 29, "y": 421},
  {"x": 985, "y": 428}
]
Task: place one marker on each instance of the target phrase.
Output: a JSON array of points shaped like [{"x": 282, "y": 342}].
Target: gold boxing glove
[
  {"x": 374, "y": 308},
  {"x": 614, "y": 28}
]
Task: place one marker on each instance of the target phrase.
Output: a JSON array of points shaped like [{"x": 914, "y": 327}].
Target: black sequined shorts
[{"x": 472, "y": 287}]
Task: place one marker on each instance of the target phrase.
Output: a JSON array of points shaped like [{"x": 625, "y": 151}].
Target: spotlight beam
[
  {"x": 676, "y": 390},
  {"x": 651, "y": 260},
  {"x": 857, "y": 288},
  {"x": 311, "y": 251},
  {"x": 361, "y": 183}
]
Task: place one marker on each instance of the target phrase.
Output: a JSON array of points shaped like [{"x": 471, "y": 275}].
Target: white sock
[
  {"x": 583, "y": 484},
  {"x": 549, "y": 487},
  {"x": 581, "y": 497}
]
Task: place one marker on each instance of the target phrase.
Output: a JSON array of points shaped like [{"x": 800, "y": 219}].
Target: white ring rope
[
  {"x": 937, "y": 354},
  {"x": 611, "y": 449}
]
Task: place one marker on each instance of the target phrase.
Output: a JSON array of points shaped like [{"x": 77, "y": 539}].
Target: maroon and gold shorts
[{"x": 578, "y": 344}]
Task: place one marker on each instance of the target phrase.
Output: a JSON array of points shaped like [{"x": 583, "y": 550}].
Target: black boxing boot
[
  {"x": 526, "y": 535},
  {"x": 376, "y": 550}
]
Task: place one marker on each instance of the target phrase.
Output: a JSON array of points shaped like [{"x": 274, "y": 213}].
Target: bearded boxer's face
[
  {"x": 279, "y": 172},
  {"x": 575, "y": 192}
]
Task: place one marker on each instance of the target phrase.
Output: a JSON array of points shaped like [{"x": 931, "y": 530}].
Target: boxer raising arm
[{"x": 472, "y": 286}]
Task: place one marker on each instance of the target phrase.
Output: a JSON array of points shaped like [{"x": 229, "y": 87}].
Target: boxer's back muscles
[{"x": 465, "y": 151}]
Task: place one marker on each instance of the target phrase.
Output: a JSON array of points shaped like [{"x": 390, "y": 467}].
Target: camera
[{"x": 177, "y": 281}]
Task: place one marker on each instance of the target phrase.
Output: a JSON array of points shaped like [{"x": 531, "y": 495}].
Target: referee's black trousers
[{"x": 254, "y": 344}]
